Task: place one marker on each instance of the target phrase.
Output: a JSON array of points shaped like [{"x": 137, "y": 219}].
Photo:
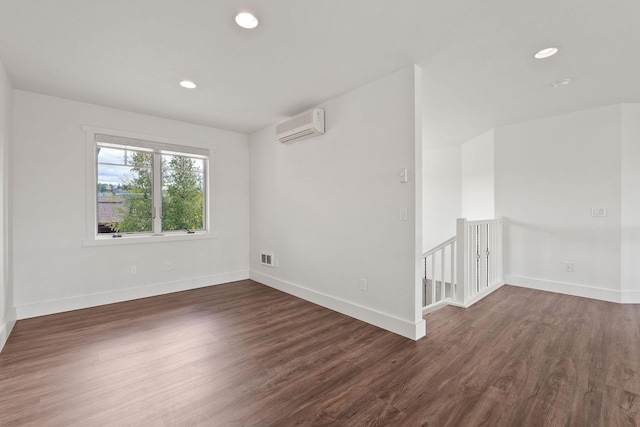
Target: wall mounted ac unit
[{"x": 300, "y": 126}]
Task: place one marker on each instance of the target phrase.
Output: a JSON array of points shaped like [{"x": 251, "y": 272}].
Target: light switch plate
[
  {"x": 404, "y": 214},
  {"x": 404, "y": 175}
]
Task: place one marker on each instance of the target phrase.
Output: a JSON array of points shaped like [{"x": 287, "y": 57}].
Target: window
[
  {"x": 143, "y": 188},
  {"x": 125, "y": 190},
  {"x": 182, "y": 193}
]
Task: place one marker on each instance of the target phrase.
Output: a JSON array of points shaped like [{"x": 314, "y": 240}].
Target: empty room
[{"x": 295, "y": 212}]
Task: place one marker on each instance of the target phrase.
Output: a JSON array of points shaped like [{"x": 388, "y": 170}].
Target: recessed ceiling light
[
  {"x": 188, "y": 84},
  {"x": 246, "y": 20},
  {"x": 546, "y": 52}
]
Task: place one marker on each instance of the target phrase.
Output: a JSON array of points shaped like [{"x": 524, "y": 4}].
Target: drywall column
[
  {"x": 7, "y": 309},
  {"x": 630, "y": 232},
  {"x": 329, "y": 208}
]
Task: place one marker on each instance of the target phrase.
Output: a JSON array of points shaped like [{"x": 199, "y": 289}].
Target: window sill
[{"x": 135, "y": 240}]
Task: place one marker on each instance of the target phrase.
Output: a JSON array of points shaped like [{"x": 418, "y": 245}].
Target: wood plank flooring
[{"x": 243, "y": 354}]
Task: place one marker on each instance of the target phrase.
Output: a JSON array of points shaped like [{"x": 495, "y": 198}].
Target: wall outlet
[
  {"x": 362, "y": 283},
  {"x": 167, "y": 265},
  {"x": 598, "y": 211},
  {"x": 134, "y": 270},
  {"x": 567, "y": 266}
]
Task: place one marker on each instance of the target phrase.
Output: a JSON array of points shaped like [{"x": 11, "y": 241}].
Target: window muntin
[{"x": 153, "y": 188}]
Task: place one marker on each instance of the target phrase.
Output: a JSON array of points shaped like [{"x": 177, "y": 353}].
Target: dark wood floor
[{"x": 246, "y": 355}]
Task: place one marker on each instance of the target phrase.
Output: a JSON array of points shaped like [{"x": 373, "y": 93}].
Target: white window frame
[{"x": 159, "y": 146}]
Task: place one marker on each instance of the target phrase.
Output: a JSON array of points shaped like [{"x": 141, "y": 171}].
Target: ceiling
[{"x": 476, "y": 56}]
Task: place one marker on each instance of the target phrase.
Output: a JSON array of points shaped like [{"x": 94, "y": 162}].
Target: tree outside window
[{"x": 182, "y": 193}]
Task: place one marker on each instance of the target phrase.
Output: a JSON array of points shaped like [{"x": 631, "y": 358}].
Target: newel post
[
  {"x": 500, "y": 239},
  {"x": 462, "y": 268}
]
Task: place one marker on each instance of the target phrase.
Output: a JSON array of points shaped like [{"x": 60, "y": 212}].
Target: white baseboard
[
  {"x": 584, "y": 291},
  {"x": 85, "y": 301},
  {"x": 476, "y": 298},
  {"x": 391, "y": 323},
  {"x": 437, "y": 306},
  {"x": 5, "y": 328},
  {"x": 631, "y": 297}
]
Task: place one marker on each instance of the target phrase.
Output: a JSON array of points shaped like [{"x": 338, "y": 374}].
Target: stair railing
[
  {"x": 465, "y": 268},
  {"x": 439, "y": 275}
]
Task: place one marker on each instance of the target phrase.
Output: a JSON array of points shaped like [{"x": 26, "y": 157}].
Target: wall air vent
[
  {"x": 266, "y": 258},
  {"x": 301, "y": 126}
]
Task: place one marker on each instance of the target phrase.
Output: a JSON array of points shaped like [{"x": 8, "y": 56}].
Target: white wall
[
  {"x": 477, "y": 186},
  {"x": 548, "y": 175},
  {"x": 329, "y": 207},
  {"x": 630, "y": 245},
  {"x": 53, "y": 271},
  {"x": 7, "y": 310},
  {"x": 442, "y": 187},
  {"x": 458, "y": 183}
]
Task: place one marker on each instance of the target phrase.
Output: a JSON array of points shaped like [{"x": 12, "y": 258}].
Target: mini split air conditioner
[{"x": 300, "y": 126}]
